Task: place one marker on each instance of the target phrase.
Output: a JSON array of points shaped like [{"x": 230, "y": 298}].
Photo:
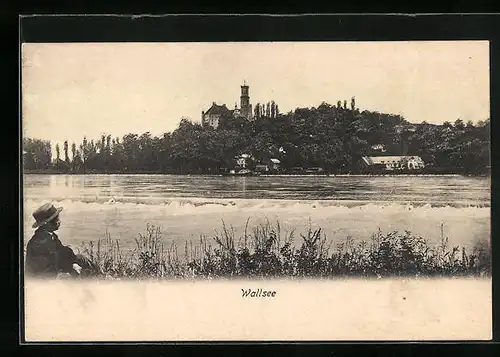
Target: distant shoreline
[{"x": 384, "y": 174}]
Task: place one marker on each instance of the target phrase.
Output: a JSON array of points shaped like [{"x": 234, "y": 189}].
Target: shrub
[{"x": 269, "y": 252}]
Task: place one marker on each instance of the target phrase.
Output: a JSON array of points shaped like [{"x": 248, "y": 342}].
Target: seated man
[{"x": 46, "y": 256}]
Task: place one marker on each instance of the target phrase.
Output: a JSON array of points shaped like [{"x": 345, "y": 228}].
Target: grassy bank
[{"x": 265, "y": 250}]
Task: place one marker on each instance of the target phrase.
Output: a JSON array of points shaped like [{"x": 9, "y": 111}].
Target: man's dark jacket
[{"x": 47, "y": 256}]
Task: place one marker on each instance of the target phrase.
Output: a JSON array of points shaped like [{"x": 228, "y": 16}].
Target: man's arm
[{"x": 66, "y": 260}]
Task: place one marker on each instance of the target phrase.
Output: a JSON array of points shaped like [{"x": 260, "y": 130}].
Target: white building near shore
[{"x": 391, "y": 163}]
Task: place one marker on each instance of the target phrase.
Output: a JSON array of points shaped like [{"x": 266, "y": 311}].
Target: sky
[{"x": 74, "y": 89}]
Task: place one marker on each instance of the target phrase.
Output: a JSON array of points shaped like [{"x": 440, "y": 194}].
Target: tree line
[
  {"x": 269, "y": 109},
  {"x": 333, "y": 137}
]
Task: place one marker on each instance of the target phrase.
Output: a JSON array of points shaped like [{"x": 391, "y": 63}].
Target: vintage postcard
[{"x": 271, "y": 191}]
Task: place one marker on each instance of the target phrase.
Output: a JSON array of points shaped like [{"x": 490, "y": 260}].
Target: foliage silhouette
[{"x": 332, "y": 137}]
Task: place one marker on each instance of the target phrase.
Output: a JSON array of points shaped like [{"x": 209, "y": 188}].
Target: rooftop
[
  {"x": 373, "y": 160},
  {"x": 218, "y": 110}
]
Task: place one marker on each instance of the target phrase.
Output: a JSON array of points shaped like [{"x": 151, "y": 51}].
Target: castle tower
[{"x": 245, "y": 107}]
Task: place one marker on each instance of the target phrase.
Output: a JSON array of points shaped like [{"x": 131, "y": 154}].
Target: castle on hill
[
  {"x": 213, "y": 116},
  {"x": 216, "y": 113}
]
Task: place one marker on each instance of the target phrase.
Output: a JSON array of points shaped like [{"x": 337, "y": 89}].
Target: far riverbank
[{"x": 326, "y": 174}]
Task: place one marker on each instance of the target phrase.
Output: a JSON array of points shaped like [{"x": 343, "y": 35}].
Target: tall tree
[
  {"x": 257, "y": 110},
  {"x": 84, "y": 149},
  {"x": 108, "y": 144},
  {"x": 73, "y": 156},
  {"x": 57, "y": 156},
  {"x": 66, "y": 155}
]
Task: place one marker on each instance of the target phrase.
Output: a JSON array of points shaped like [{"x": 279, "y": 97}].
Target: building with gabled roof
[
  {"x": 214, "y": 114},
  {"x": 390, "y": 163}
]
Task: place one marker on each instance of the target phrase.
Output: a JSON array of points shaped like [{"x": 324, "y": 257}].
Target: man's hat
[{"x": 45, "y": 213}]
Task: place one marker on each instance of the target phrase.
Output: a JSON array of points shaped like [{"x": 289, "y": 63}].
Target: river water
[{"x": 185, "y": 207}]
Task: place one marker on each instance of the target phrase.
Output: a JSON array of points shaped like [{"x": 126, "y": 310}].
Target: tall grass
[{"x": 268, "y": 251}]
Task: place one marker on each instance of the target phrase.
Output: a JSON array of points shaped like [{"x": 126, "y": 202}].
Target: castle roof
[{"x": 218, "y": 110}]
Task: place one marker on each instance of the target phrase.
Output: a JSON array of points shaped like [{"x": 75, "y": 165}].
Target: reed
[{"x": 267, "y": 251}]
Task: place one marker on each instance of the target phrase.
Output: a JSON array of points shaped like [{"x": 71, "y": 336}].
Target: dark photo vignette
[{"x": 207, "y": 28}]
